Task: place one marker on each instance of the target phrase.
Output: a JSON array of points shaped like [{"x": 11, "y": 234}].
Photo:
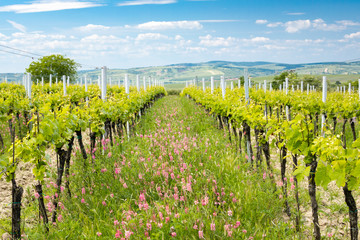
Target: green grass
[{"x": 211, "y": 184}]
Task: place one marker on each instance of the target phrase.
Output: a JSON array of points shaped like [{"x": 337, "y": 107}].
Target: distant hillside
[{"x": 186, "y": 71}]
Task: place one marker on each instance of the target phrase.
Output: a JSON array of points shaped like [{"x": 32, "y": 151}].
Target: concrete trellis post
[
  {"x": 50, "y": 80},
  {"x": 307, "y": 88},
  {"x": 349, "y": 88},
  {"x": 231, "y": 85},
  {"x": 103, "y": 83},
  {"x": 203, "y": 84},
  {"x": 138, "y": 83},
  {"x": 28, "y": 83},
  {"x": 264, "y": 86},
  {"x": 222, "y": 84},
  {"x": 68, "y": 80},
  {"x": 212, "y": 84},
  {"x": 302, "y": 86},
  {"x": 64, "y": 84},
  {"x": 144, "y": 79},
  {"x": 270, "y": 87}
]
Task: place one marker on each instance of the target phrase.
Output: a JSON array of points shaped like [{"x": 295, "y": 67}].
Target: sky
[{"x": 140, "y": 33}]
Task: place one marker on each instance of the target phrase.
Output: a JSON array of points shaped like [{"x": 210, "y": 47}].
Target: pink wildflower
[{"x": 201, "y": 234}]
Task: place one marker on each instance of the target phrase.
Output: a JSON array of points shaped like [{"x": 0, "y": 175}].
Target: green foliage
[
  {"x": 280, "y": 79},
  {"x": 55, "y": 64}
]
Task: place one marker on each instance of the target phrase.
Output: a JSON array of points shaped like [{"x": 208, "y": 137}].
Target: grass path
[{"x": 177, "y": 178}]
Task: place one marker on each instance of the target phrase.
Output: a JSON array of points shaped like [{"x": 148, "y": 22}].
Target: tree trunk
[
  {"x": 42, "y": 209},
  {"x": 352, "y": 124},
  {"x": 108, "y": 133},
  {"x": 92, "y": 141},
  {"x": 351, "y": 203},
  {"x": 312, "y": 194},
  {"x": 343, "y": 135},
  {"x": 220, "y": 122},
  {"x": 283, "y": 171},
  {"x": 81, "y": 144},
  {"x": 297, "y": 217},
  {"x": 64, "y": 157},
  {"x": 1, "y": 143},
  {"x": 240, "y": 139},
  {"x": 249, "y": 151},
  {"x": 19, "y": 123},
  {"x": 258, "y": 147},
  {"x": 67, "y": 167},
  {"x": 335, "y": 122},
  {"x": 17, "y": 192}
]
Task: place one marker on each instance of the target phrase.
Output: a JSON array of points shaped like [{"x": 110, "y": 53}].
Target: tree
[
  {"x": 312, "y": 80},
  {"x": 55, "y": 64},
  {"x": 242, "y": 80},
  {"x": 279, "y": 79}
]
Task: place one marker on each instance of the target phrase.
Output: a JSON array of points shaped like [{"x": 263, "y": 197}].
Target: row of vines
[
  {"x": 52, "y": 121},
  {"x": 290, "y": 126}
]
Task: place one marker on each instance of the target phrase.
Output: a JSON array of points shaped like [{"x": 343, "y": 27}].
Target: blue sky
[{"x": 136, "y": 33}]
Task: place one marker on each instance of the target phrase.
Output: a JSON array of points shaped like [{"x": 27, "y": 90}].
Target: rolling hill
[{"x": 178, "y": 73}]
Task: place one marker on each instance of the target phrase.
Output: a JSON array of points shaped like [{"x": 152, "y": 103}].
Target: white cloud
[
  {"x": 261, "y": 21},
  {"x": 178, "y": 37},
  {"x": 151, "y": 36},
  {"x": 18, "y": 26},
  {"x": 259, "y": 39},
  {"x": 275, "y": 24},
  {"x": 145, "y": 2},
  {"x": 4, "y": 37},
  {"x": 217, "y": 21},
  {"x": 295, "y": 13},
  {"x": 170, "y": 25},
  {"x": 348, "y": 23},
  {"x": 210, "y": 41},
  {"x": 92, "y": 27},
  {"x": 352, "y": 35},
  {"x": 321, "y": 25},
  {"x": 317, "y": 24},
  {"x": 295, "y": 26},
  {"x": 47, "y": 6}
]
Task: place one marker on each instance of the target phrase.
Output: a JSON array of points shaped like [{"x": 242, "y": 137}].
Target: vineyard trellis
[
  {"x": 302, "y": 127},
  {"x": 55, "y": 115}
]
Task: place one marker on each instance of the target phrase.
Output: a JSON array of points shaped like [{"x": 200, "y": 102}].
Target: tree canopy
[
  {"x": 294, "y": 79},
  {"x": 56, "y": 64}
]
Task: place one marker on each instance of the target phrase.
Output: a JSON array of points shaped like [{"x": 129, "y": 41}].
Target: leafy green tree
[
  {"x": 242, "y": 81},
  {"x": 56, "y": 64},
  {"x": 279, "y": 79},
  {"x": 312, "y": 80}
]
